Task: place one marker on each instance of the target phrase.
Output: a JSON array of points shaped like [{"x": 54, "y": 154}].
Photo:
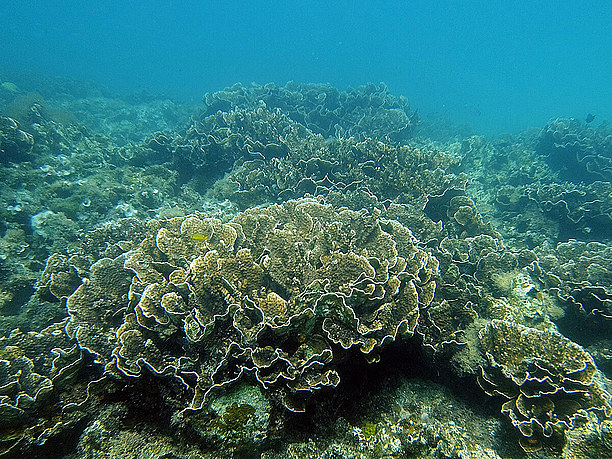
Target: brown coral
[
  {"x": 270, "y": 294},
  {"x": 34, "y": 367},
  {"x": 580, "y": 273},
  {"x": 548, "y": 381}
]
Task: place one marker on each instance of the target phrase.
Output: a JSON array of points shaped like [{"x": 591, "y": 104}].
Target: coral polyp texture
[
  {"x": 271, "y": 295},
  {"x": 293, "y": 272},
  {"x": 549, "y": 381}
]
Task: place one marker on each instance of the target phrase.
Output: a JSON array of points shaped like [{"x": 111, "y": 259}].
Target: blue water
[{"x": 498, "y": 66}]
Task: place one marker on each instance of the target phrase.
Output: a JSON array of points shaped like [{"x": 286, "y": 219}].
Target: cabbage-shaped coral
[
  {"x": 548, "y": 381},
  {"x": 577, "y": 151},
  {"x": 580, "y": 273},
  {"x": 314, "y": 166},
  {"x": 366, "y": 111},
  {"x": 34, "y": 368},
  {"x": 272, "y": 295}
]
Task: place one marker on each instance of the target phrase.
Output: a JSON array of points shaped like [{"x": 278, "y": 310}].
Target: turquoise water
[{"x": 496, "y": 66}]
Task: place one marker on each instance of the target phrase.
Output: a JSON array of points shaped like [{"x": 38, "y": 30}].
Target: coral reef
[
  {"x": 577, "y": 275},
  {"x": 367, "y": 111},
  {"x": 290, "y": 273},
  {"x": 35, "y": 368},
  {"x": 576, "y": 151},
  {"x": 15, "y": 144},
  {"x": 414, "y": 419},
  {"x": 317, "y": 167},
  {"x": 581, "y": 211},
  {"x": 270, "y": 293},
  {"x": 549, "y": 381}
]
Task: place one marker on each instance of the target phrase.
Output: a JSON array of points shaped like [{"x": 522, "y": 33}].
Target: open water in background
[{"x": 498, "y": 66}]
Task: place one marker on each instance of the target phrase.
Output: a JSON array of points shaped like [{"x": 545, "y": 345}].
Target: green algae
[
  {"x": 369, "y": 429},
  {"x": 236, "y": 416}
]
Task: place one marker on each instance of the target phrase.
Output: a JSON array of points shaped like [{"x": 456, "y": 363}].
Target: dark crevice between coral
[
  {"x": 437, "y": 206},
  {"x": 59, "y": 445},
  {"x": 273, "y": 286},
  {"x": 593, "y": 228},
  {"x": 362, "y": 382},
  {"x": 582, "y": 327},
  {"x": 21, "y": 297},
  {"x": 148, "y": 400}
]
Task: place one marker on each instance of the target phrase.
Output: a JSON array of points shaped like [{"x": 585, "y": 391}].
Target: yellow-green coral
[
  {"x": 236, "y": 416},
  {"x": 548, "y": 381},
  {"x": 271, "y": 293}
]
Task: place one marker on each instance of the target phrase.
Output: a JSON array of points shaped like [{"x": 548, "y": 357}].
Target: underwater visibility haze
[
  {"x": 305, "y": 229},
  {"x": 496, "y": 67}
]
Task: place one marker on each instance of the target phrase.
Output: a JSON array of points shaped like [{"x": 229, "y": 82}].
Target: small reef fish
[
  {"x": 199, "y": 237},
  {"x": 589, "y": 118}
]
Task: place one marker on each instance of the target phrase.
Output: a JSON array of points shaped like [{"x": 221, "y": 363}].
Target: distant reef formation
[{"x": 298, "y": 271}]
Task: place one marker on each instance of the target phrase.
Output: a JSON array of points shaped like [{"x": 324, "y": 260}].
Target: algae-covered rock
[
  {"x": 108, "y": 436},
  {"x": 414, "y": 418},
  {"x": 238, "y": 419}
]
